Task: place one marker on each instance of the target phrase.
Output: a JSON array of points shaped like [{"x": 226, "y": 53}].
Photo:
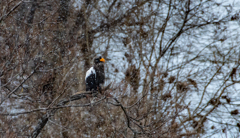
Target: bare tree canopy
[{"x": 172, "y": 68}]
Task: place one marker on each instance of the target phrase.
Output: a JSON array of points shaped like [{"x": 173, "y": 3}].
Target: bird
[{"x": 95, "y": 76}]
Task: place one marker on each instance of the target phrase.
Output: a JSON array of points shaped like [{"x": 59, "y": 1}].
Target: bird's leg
[
  {"x": 94, "y": 93},
  {"x": 99, "y": 89},
  {"x": 88, "y": 98}
]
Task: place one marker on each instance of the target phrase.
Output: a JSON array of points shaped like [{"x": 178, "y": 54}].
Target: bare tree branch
[{"x": 2, "y": 18}]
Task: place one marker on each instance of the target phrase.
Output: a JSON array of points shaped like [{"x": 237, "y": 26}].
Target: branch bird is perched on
[{"x": 95, "y": 76}]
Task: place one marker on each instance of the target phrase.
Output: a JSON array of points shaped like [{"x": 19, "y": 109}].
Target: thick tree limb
[
  {"x": 43, "y": 121},
  {"x": 48, "y": 109}
]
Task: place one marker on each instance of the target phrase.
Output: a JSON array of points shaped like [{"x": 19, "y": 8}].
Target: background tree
[{"x": 172, "y": 66}]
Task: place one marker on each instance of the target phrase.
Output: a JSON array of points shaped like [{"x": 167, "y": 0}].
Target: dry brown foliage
[{"x": 155, "y": 63}]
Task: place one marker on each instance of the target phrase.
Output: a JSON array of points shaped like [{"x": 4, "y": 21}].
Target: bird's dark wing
[{"x": 100, "y": 76}]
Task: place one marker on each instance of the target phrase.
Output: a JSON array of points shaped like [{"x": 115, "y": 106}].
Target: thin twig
[
  {"x": 17, "y": 87},
  {"x": 7, "y": 14}
]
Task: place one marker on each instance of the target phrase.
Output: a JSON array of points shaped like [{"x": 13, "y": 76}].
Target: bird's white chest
[{"x": 89, "y": 72}]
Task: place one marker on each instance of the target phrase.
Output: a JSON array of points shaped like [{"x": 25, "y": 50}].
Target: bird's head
[{"x": 99, "y": 60}]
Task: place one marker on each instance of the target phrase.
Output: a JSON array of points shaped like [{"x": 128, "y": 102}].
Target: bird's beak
[{"x": 102, "y": 60}]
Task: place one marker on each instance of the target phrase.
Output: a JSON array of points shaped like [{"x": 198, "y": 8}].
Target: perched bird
[{"x": 95, "y": 76}]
